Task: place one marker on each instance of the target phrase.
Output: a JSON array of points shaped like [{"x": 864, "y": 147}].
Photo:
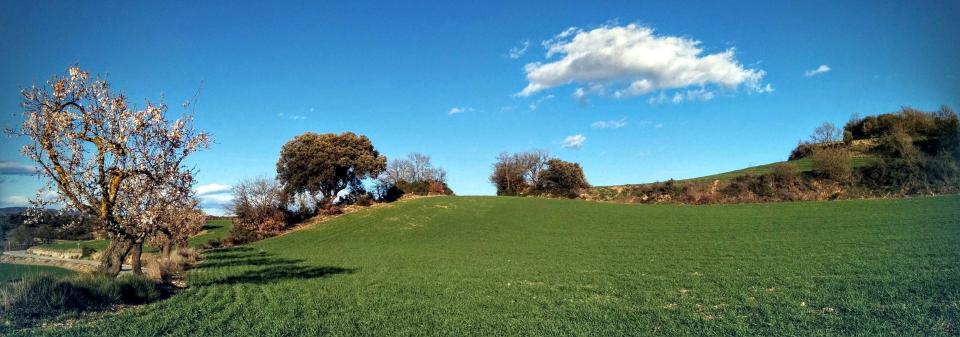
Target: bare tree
[
  {"x": 826, "y": 133},
  {"x": 532, "y": 163},
  {"x": 508, "y": 175},
  {"x": 420, "y": 165},
  {"x": 519, "y": 173},
  {"x": 90, "y": 145},
  {"x": 260, "y": 205},
  {"x": 398, "y": 170}
]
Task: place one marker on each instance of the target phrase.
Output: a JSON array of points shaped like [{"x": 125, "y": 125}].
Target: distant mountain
[
  {"x": 11, "y": 210},
  {"x": 15, "y": 210}
]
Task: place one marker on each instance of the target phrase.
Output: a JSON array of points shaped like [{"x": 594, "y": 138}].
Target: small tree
[
  {"x": 518, "y": 173},
  {"x": 260, "y": 206},
  {"x": 415, "y": 175},
  {"x": 95, "y": 150},
  {"x": 323, "y": 165},
  {"x": 826, "y": 133},
  {"x": 562, "y": 178},
  {"x": 508, "y": 176}
]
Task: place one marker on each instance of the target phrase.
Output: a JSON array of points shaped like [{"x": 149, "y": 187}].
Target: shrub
[
  {"x": 802, "y": 150},
  {"x": 832, "y": 163},
  {"x": 562, "y": 178},
  {"x": 387, "y": 191},
  {"x": 784, "y": 174},
  {"x": 241, "y": 233},
  {"x": 331, "y": 210},
  {"x": 365, "y": 199},
  {"x": 260, "y": 205},
  {"x": 762, "y": 186},
  {"x": 137, "y": 289},
  {"x": 700, "y": 193},
  {"x": 41, "y": 297}
]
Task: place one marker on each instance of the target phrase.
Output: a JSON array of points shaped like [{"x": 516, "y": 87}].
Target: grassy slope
[
  {"x": 215, "y": 230},
  {"x": 801, "y": 165},
  {"x": 13, "y": 272},
  {"x": 515, "y": 266}
]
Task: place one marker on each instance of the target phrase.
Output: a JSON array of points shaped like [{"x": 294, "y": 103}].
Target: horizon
[{"x": 632, "y": 92}]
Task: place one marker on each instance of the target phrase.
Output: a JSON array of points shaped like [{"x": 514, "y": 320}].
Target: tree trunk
[
  {"x": 165, "y": 249},
  {"x": 135, "y": 259},
  {"x": 112, "y": 260}
]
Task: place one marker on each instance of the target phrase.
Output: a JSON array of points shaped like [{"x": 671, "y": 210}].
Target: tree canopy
[{"x": 325, "y": 164}]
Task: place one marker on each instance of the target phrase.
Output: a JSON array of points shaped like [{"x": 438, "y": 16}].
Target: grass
[
  {"x": 499, "y": 266},
  {"x": 15, "y": 272},
  {"x": 801, "y": 165},
  {"x": 97, "y": 245},
  {"x": 213, "y": 230}
]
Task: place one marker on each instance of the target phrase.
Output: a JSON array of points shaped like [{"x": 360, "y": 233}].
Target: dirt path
[{"x": 22, "y": 257}]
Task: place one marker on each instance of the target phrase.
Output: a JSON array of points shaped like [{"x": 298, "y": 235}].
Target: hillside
[
  {"x": 801, "y": 165},
  {"x": 528, "y": 266}
]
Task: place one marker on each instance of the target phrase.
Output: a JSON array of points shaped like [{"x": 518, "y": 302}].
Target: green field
[
  {"x": 212, "y": 230},
  {"x": 14, "y": 272},
  {"x": 500, "y": 266}
]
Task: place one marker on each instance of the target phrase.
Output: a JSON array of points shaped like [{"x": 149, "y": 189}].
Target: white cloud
[
  {"x": 636, "y": 59},
  {"x": 293, "y": 116},
  {"x": 582, "y": 92},
  {"x": 212, "y": 189},
  {"x": 517, "y": 52},
  {"x": 820, "y": 70},
  {"x": 9, "y": 167},
  {"x": 573, "y": 142},
  {"x": 614, "y": 124},
  {"x": 702, "y": 95},
  {"x": 536, "y": 104},
  {"x": 15, "y": 201},
  {"x": 214, "y": 198},
  {"x": 455, "y": 110}
]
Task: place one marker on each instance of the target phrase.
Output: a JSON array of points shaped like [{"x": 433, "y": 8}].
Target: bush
[
  {"x": 241, "y": 233},
  {"x": 137, "y": 289},
  {"x": 42, "y": 297},
  {"x": 562, "y": 178},
  {"x": 387, "y": 192},
  {"x": 261, "y": 206},
  {"x": 784, "y": 174},
  {"x": 832, "y": 163},
  {"x": 365, "y": 199}
]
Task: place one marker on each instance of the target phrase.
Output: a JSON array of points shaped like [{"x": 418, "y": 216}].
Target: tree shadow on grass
[{"x": 251, "y": 266}]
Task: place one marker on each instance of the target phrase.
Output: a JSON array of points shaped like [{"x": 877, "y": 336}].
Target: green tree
[
  {"x": 322, "y": 165},
  {"x": 562, "y": 178}
]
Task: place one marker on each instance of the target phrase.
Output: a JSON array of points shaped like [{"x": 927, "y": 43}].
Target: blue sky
[{"x": 395, "y": 72}]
